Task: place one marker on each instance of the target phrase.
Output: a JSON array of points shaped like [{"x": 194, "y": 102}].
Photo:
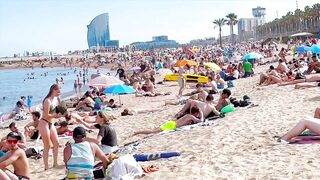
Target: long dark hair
[{"x": 54, "y": 86}]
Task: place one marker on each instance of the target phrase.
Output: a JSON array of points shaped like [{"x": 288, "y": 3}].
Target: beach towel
[{"x": 306, "y": 139}]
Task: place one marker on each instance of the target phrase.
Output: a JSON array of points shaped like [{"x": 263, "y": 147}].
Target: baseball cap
[
  {"x": 79, "y": 132},
  {"x": 14, "y": 135}
]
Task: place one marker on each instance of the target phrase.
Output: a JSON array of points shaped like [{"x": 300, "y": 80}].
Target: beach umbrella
[
  {"x": 252, "y": 55},
  {"x": 303, "y": 49},
  {"x": 213, "y": 66},
  {"x": 104, "y": 81},
  {"x": 119, "y": 89},
  {"x": 315, "y": 49},
  {"x": 185, "y": 62}
]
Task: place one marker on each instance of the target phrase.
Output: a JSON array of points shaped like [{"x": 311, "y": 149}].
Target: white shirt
[{"x": 236, "y": 74}]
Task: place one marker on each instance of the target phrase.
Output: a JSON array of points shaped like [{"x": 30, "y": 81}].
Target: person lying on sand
[
  {"x": 304, "y": 86},
  {"x": 111, "y": 103},
  {"x": 15, "y": 157},
  {"x": 63, "y": 128},
  {"x": 195, "y": 116},
  {"x": 130, "y": 112},
  {"x": 270, "y": 77},
  {"x": 307, "y": 79},
  {"x": 206, "y": 107},
  {"x": 311, "y": 123}
]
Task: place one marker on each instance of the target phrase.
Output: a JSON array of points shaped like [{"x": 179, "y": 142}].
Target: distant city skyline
[{"x": 60, "y": 26}]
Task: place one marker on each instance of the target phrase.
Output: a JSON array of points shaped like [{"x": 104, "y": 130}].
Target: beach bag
[
  {"x": 33, "y": 152},
  {"x": 123, "y": 168}
]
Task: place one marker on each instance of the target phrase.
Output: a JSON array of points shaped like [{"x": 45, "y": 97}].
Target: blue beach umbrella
[
  {"x": 315, "y": 49},
  {"x": 119, "y": 89},
  {"x": 252, "y": 55},
  {"x": 303, "y": 49}
]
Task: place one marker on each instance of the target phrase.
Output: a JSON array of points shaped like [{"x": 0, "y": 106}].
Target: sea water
[{"x": 15, "y": 83}]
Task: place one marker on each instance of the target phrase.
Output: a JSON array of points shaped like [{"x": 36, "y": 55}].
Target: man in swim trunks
[{"x": 15, "y": 157}]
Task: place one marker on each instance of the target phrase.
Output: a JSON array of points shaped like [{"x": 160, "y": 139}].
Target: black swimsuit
[{"x": 49, "y": 123}]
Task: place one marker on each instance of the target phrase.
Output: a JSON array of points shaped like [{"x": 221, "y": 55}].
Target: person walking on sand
[
  {"x": 47, "y": 131},
  {"x": 181, "y": 81}
]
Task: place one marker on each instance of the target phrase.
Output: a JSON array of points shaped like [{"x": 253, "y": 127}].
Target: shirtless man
[
  {"x": 31, "y": 129},
  {"x": 21, "y": 143},
  {"x": 15, "y": 157},
  {"x": 224, "y": 99},
  {"x": 205, "y": 107},
  {"x": 315, "y": 65},
  {"x": 199, "y": 92},
  {"x": 282, "y": 67}
]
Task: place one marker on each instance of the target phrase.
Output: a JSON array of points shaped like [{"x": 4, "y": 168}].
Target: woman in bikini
[{"x": 47, "y": 131}]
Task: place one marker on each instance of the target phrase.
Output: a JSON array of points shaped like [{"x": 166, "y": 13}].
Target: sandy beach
[{"x": 240, "y": 146}]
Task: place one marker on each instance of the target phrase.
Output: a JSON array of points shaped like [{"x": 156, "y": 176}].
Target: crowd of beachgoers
[{"x": 90, "y": 119}]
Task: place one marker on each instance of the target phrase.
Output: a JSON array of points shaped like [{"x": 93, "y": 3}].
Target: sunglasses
[{"x": 12, "y": 141}]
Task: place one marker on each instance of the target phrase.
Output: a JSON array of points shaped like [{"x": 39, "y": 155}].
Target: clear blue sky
[{"x": 60, "y": 25}]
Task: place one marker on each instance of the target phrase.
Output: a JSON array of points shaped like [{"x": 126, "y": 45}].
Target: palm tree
[
  {"x": 219, "y": 23},
  {"x": 232, "y": 21}
]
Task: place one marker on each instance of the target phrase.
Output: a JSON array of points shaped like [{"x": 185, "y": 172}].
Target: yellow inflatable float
[{"x": 188, "y": 77}]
